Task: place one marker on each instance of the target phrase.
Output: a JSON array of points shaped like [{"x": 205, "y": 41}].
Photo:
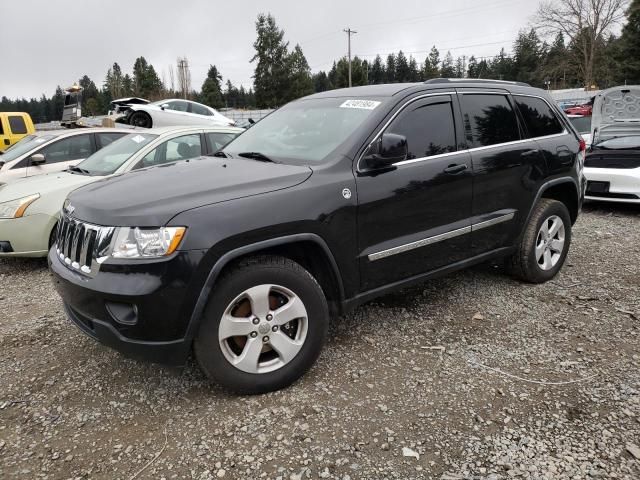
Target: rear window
[
  {"x": 581, "y": 124},
  {"x": 538, "y": 116},
  {"x": 17, "y": 125},
  {"x": 489, "y": 120}
]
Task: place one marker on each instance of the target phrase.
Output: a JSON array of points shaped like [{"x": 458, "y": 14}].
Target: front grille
[
  {"x": 611, "y": 161},
  {"x": 82, "y": 246}
]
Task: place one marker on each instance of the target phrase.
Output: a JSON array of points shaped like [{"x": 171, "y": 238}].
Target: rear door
[
  {"x": 63, "y": 153},
  {"x": 558, "y": 145},
  {"x": 415, "y": 217},
  {"x": 507, "y": 168},
  {"x": 176, "y": 113},
  {"x": 17, "y": 128}
]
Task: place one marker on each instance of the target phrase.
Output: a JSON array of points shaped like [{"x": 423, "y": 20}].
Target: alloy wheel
[{"x": 550, "y": 242}]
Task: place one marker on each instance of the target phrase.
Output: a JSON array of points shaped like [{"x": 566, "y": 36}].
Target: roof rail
[{"x": 474, "y": 80}]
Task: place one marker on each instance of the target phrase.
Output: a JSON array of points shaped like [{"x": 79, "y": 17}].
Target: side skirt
[{"x": 352, "y": 303}]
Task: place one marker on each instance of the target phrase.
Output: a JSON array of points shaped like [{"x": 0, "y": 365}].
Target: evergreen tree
[
  {"x": 628, "y": 54},
  {"x": 415, "y": 75},
  {"x": 377, "y": 72},
  {"x": 528, "y": 53},
  {"x": 431, "y": 67},
  {"x": 146, "y": 82},
  {"x": 271, "y": 74},
  {"x": 321, "y": 82},
  {"x": 300, "y": 82},
  {"x": 402, "y": 68},
  {"x": 473, "y": 70},
  {"x": 211, "y": 94},
  {"x": 460, "y": 68},
  {"x": 390, "y": 70},
  {"x": 448, "y": 68}
]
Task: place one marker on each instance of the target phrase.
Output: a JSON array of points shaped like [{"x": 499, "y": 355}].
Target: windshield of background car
[
  {"x": 621, "y": 143},
  {"x": 581, "y": 124},
  {"x": 28, "y": 143},
  {"x": 305, "y": 131},
  {"x": 114, "y": 155}
]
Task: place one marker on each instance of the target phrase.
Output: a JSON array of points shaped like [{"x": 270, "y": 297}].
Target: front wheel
[
  {"x": 544, "y": 245},
  {"x": 264, "y": 326},
  {"x": 141, "y": 119}
]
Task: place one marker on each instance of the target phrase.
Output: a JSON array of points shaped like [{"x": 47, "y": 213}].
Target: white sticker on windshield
[
  {"x": 363, "y": 104},
  {"x": 138, "y": 139}
]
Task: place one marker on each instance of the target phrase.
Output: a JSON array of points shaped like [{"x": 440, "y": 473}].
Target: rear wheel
[
  {"x": 141, "y": 119},
  {"x": 544, "y": 244},
  {"x": 264, "y": 326}
]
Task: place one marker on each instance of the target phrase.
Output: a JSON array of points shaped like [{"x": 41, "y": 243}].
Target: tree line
[{"x": 582, "y": 53}]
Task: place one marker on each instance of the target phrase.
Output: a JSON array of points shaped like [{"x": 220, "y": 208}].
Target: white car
[
  {"x": 53, "y": 151},
  {"x": 174, "y": 112},
  {"x": 612, "y": 164},
  {"x": 30, "y": 208}
]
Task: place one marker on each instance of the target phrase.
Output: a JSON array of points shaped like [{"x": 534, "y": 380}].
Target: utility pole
[{"x": 349, "y": 32}]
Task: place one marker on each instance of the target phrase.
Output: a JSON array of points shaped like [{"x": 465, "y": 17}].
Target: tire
[
  {"x": 287, "y": 353},
  {"x": 527, "y": 263},
  {"x": 141, "y": 119}
]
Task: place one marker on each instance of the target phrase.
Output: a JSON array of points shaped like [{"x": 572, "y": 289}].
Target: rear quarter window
[
  {"x": 538, "y": 116},
  {"x": 17, "y": 125}
]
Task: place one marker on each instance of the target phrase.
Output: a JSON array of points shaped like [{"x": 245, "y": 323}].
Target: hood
[
  {"x": 151, "y": 197},
  {"x": 43, "y": 184},
  {"x": 130, "y": 101},
  {"x": 616, "y": 113}
]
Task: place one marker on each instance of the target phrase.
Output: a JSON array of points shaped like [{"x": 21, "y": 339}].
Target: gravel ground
[{"x": 467, "y": 377}]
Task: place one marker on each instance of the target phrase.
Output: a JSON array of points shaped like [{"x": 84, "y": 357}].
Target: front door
[{"x": 415, "y": 217}]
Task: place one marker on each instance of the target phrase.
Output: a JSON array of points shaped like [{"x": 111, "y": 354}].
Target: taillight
[{"x": 583, "y": 145}]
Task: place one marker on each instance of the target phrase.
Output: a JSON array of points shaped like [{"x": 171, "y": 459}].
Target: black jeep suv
[{"x": 330, "y": 201}]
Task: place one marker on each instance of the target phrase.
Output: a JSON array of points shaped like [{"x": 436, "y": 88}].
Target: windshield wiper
[
  {"x": 79, "y": 170},
  {"x": 256, "y": 156}
]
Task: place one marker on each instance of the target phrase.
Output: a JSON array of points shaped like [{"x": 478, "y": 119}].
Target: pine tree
[
  {"x": 300, "y": 82},
  {"x": 146, "y": 82},
  {"x": 212, "y": 89},
  {"x": 390, "y": 70},
  {"x": 431, "y": 67},
  {"x": 628, "y": 55},
  {"x": 271, "y": 74},
  {"x": 377, "y": 72},
  {"x": 402, "y": 68},
  {"x": 448, "y": 69},
  {"x": 321, "y": 82},
  {"x": 472, "y": 68}
]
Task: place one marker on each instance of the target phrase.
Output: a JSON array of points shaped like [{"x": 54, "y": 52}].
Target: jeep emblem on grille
[{"x": 69, "y": 209}]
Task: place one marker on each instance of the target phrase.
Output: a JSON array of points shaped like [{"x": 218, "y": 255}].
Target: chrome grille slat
[{"x": 82, "y": 246}]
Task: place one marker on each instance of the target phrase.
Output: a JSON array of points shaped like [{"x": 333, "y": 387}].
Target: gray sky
[{"x": 57, "y": 41}]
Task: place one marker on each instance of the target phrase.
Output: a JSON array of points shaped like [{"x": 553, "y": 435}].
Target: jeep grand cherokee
[{"x": 330, "y": 201}]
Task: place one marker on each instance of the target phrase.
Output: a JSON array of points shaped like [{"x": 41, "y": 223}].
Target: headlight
[
  {"x": 16, "y": 208},
  {"x": 136, "y": 242}
]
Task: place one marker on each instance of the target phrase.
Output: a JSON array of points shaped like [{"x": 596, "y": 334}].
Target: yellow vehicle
[{"x": 13, "y": 127}]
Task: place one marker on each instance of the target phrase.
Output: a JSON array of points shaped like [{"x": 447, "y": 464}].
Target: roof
[
  {"x": 391, "y": 89},
  {"x": 193, "y": 128}
]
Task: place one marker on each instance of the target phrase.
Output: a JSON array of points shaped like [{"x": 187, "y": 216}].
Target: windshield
[
  {"x": 621, "y": 143},
  {"x": 306, "y": 130},
  {"x": 581, "y": 124},
  {"x": 113, "y": 156},
  {"x": 28, "y": 143}
]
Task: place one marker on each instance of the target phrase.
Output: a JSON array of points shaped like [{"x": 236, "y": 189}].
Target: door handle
[
  {"x": 455, "y": 168},
  {"x": 564, "y": 155}
]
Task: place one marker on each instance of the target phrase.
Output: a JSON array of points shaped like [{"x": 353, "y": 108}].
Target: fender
[
  {"x": 545, "y": 186},
  {"x": 196, "y": 315}
]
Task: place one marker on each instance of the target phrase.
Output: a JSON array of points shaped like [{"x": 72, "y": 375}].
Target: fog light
[{"x": 123, "y": 313}]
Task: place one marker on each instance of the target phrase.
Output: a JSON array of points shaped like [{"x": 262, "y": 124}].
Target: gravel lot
[{"x": 469, "y": 376}]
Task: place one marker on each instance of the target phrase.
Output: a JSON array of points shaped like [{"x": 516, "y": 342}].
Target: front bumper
[
  {"x": 28, "y": 236},
  {"x": 624, "y": 184},
  {"x": 141, "y": 309}
]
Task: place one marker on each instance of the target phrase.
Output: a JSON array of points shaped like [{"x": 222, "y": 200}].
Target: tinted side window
[
  {"x": 73, "y": 148},
  {"x": 538, "y": 116},
  {"x": 105, "y": 139},
  {"x": 200, "y": 110},
  {"x": 17, "y": 125},
  {"x": 488, "y": 120},
  {"x": 428, "y": 127}
]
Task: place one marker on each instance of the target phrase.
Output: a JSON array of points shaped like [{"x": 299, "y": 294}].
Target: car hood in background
[
  {"x": 616, "y": 113},
  {"x": 151, "y": 197}
]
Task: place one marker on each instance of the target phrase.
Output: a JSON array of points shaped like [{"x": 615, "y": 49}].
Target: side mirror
[
  {"x": 38, "y": 159},
  {"x": 390, "y": 148},
  {"x": 164, "y": 105}
]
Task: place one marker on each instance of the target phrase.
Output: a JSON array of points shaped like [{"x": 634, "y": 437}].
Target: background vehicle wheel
[
  {"x": 264, "y": 326},
  {"x": 141, "y": 119},
  {"x": 544, "y": 245}
]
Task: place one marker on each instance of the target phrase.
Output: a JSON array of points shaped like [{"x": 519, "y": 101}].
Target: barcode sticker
[
  {"x": 138, "y": 139},
  {"x": 362, "y": 104}
]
